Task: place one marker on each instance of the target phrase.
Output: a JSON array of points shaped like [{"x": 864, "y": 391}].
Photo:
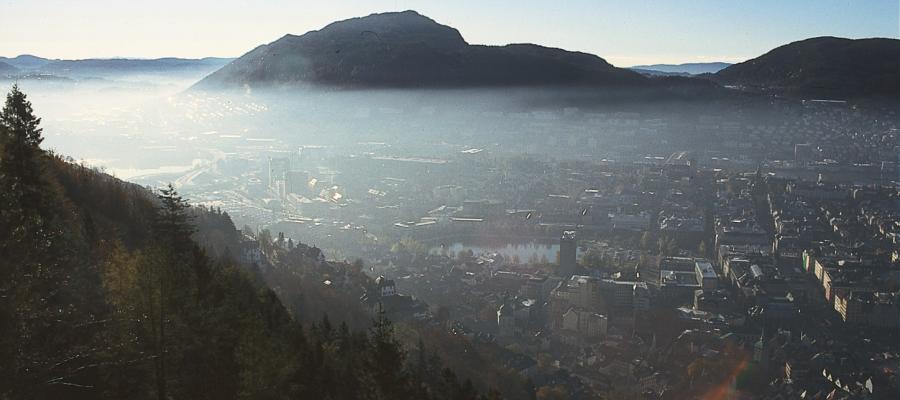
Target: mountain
[
  {"x": 680, "y": 69},
  {"x": 7, "y": 69},
  {"x": 827, "y": 67},
  {"x": 26, "y": 61},
  {"x": 118, "y": 66},
  {"x": 28, "y": 66},
  {"x": 406, "y": 49}
]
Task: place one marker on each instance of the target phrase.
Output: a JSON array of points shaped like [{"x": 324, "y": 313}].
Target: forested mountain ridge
[
  {"x": 824, "y": 67},
  {"x": 106, "y": 293}
]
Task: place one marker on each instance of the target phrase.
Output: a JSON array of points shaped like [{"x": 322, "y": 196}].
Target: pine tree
[
  {"x": 20, "y": 144},
  {"x": 20, "y": 165},
  {"x": 24, "y": 240},
  {"x": 172, "y": 225},
  {"x": 18, "y": 116},
  {"x": 173, "y": 233},
  {"x": 386, "y": 361}
]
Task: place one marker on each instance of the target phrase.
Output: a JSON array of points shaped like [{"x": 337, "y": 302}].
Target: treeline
[{"x": 106, "y": 293}]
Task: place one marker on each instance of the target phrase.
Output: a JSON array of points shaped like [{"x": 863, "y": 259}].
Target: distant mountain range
[
  {"x": 686, "y": 69},
  {"x": 6, "y": 69},
  {"x": 29, "y": 65},
  {"x": 406, "y": 49},
  {"x": 826, "y": 67},
  {"x": 26, "y": 61}
]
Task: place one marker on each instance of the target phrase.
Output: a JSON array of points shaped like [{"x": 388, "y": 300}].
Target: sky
[{"x": 625, "y": 33}]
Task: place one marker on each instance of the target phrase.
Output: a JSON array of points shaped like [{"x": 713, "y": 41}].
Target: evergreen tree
[
  {"x": 25, "y": 238},
  {"x": 174, "y": 240},
  {"x": 44, "y": 280},
  {"x": 20, "y": 168},
  {"x": 21, "y": 142},
  {"x": 386, "y": 361},
  {"x": 173, "y": 227}
]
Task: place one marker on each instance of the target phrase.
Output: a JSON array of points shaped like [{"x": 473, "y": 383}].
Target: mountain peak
[
  {"x": 404, "y": 49},
  {"x": 393, "y": 28}
]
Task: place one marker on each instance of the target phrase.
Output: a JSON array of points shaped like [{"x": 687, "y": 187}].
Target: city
[
  {"x": 782, "y": 273},
  {"x": 598, "y": 200}
]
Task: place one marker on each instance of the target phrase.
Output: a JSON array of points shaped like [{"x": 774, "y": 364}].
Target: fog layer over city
[{"x": 218, "y": 147}]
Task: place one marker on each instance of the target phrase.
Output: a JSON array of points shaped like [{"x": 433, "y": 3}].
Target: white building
[{"x": 706, "y": 275}]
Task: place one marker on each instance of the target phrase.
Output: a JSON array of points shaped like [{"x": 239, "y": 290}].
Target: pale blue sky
[{"x": 624, "y": 32}]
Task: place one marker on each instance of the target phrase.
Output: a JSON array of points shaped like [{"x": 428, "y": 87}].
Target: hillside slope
[
  {"x": 105, "y": 294},
  {"x": 827, "y": 67}
]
